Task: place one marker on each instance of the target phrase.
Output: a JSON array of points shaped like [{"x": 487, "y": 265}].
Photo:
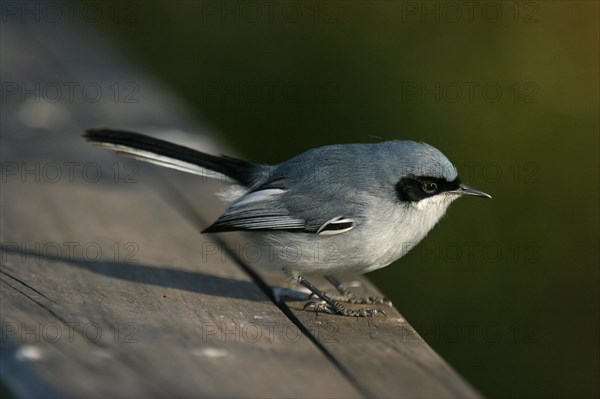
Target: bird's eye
[{"x": 429, "y": 187}]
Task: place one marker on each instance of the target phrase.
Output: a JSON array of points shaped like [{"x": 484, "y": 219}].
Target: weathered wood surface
[{"x": 109, "y": 290}]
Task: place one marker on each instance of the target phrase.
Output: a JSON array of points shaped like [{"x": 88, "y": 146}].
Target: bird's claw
[
  {"x": 318, "y": 306},
  {"x": 324, "y": 307},
  {"x": 369, "y": 300},
  {"x": 361, "y": 300},
  {"x": 362, "y": 312}
]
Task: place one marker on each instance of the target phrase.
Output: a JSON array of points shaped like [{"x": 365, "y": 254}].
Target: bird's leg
[
  {"x": 349, "y": 297},
  {"x": 331, "y": 305}
]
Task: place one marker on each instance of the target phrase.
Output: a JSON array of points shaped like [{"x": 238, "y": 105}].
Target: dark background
[{"x": 505, "y": 290}]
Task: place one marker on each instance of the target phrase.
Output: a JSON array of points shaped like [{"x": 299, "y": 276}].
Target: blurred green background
[{"x": 505, "y": 290}]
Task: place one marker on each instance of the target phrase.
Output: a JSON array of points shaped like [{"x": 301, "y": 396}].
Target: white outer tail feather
[{"x": 165, "y": 161}]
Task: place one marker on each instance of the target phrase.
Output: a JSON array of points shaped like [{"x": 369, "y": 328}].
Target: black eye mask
[{"x": 416, "y": 188}]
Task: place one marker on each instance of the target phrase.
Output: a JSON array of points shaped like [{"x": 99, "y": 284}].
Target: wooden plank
[{"x": 170, "y": 323}]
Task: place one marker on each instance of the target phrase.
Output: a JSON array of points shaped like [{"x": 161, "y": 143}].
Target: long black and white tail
[{"x": 175, "y": 156}]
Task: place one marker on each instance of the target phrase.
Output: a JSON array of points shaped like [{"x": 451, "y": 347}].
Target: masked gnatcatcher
[{"x": 338, "y": 209}]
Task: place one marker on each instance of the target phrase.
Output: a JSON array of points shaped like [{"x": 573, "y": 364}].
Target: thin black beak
[{"x": 466, "y": 190}]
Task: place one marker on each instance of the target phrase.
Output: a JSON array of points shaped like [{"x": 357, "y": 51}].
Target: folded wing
[{"x": 266, "y": 209}]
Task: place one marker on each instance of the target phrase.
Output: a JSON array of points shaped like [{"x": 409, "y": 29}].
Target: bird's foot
[
  {"x": 349, "y": 297},
  {"x": 339, "y": 309},
  {"x": 368, "y": 300},
  {"x": 359, "y": 300}
]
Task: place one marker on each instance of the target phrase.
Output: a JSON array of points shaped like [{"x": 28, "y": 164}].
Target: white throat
[{"x": 407, "y": 225}]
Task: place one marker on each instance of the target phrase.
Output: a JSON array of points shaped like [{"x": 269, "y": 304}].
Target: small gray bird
[{"x": 338, "y": 209}]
